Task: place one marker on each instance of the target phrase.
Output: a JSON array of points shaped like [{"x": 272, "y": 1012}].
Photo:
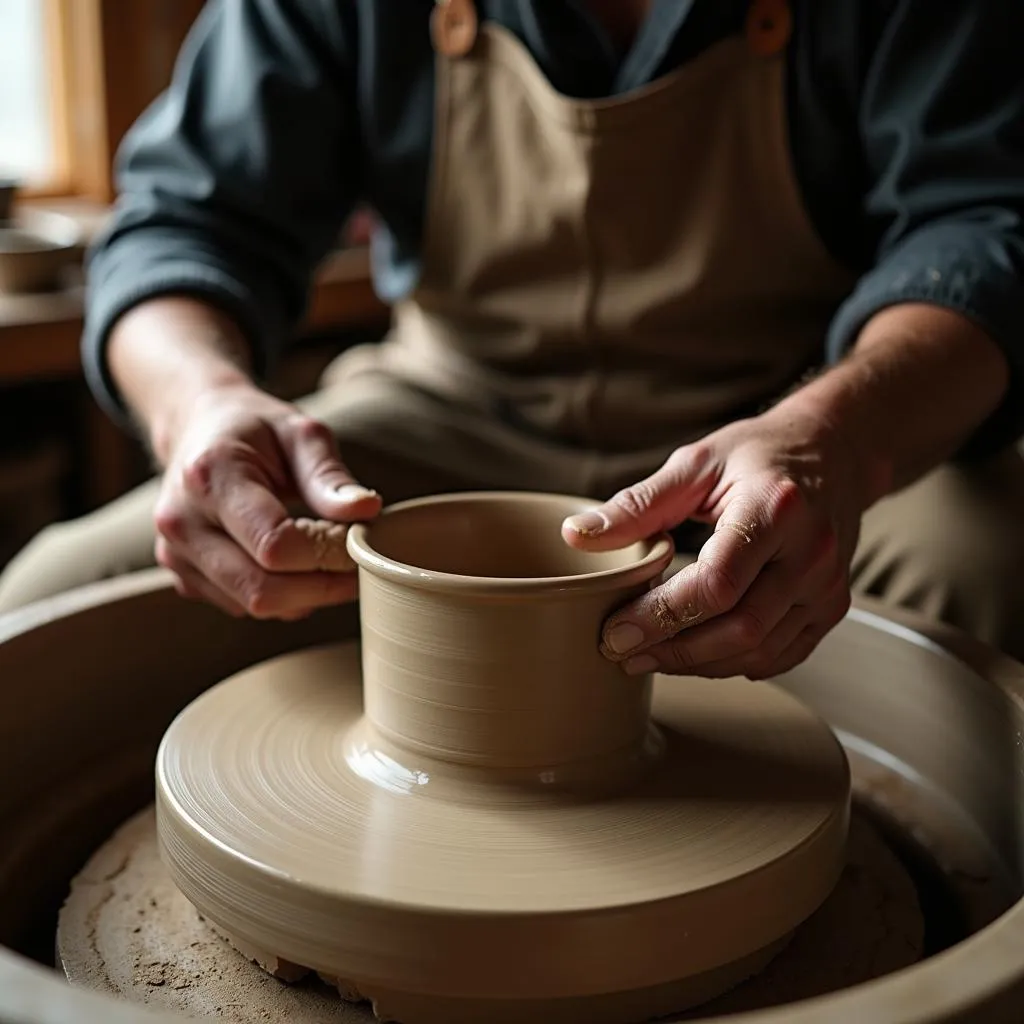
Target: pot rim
[{"x": 658, "y": 556}]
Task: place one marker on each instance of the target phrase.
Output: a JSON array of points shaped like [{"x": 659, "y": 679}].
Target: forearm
[
  {"x": 916, "y": 385},
  {"x": 166, "y": 353}
]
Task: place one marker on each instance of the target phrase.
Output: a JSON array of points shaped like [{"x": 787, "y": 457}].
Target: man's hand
[
  {"x": 233, "y": 459},
  {"x": 223, "y": 526},
  {"x": 786, "y": 492},
  {"x": 773, "y": 579}
]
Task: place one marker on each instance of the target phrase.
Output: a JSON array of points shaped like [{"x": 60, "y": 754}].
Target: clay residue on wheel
[{"x": 125, "y": 929}]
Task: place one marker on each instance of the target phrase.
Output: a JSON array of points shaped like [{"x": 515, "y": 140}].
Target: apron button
[
  {"x": 453, "y": 27},
  {"x": 769, "y": 26}
]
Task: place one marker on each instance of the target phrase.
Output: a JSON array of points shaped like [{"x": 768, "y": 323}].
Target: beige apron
[{"x": 605, "y": 280}]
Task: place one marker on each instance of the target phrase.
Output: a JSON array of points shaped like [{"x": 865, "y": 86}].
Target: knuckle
[
  {"x": 719, "y": 587},
  {"x": 678, "y": 459},
  {"x": 171, "y": 522},
  {"x": 307, "y": 429},
  {"x": 635, "y": 501},
  {"x": 749, "y": 628},
  {"x": 269, "y": 546},
  {"x": 199, "y": 472},
  {"x": 691, "y": 457},
  {"x": 785, "y": 498}
]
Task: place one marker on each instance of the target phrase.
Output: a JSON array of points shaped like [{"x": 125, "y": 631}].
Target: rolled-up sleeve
[
  {"x": 942, "y": 123},
  {"x": 236, "y": 182}
]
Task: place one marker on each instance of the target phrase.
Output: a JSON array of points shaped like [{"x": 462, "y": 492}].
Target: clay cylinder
[{"x": 480, "y": 633}]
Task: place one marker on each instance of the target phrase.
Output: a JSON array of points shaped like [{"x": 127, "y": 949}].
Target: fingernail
[
  {"x": 621, "y": 639},
  {"x": 351, "y": 493},
  {"x": 588, "y": 524},
  {"x": 640, "y": 665}
]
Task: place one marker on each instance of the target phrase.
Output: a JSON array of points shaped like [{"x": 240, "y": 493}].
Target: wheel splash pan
[{"x": 933, "y": 724}]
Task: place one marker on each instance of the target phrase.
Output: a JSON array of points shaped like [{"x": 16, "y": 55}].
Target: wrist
[
  {"x": 838, "y": 430},
  {"x": 917, "y": 383},
  {"x": 168, "y": 355},
  {"x": 169, "y": 421}
]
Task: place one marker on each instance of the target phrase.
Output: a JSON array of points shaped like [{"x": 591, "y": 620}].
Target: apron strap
[
  {"x": 769, "y": 26},
  {"x": 453, "y": 27}
]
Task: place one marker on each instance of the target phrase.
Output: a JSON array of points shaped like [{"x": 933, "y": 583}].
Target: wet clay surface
[{"x": 126, "y": 930}]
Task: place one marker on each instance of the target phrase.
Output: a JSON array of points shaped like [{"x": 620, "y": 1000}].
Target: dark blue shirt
[{"x": 906, "y": 127}]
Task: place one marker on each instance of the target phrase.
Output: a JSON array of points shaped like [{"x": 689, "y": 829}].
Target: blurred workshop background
[{"x": 74, "y": 75}]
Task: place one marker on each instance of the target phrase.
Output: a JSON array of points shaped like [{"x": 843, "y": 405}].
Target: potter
[{"x": 748, "y": 266}]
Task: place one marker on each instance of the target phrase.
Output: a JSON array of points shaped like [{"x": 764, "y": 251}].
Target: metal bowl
[{"x": 36, "y": 248}]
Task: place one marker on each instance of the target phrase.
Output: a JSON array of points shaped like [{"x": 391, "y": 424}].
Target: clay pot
[{"x": 481, "y": 630}]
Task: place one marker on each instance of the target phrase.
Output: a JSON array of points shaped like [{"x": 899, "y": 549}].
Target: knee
[
  {"x": 975, "y": 565},
  {"x": 953, "y": 562},
  {"x": 64, "y": 556}
]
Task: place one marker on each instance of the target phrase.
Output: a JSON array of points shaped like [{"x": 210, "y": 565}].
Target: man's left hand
[{"x": 786, "y": 496}]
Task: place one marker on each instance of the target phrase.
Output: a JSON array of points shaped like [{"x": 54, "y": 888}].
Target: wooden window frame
[{"x": 107, "y": 61}]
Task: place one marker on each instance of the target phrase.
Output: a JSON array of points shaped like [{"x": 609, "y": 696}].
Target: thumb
[
  {"x": 659, "y": 502},
  {"x": 322, "y": 479}
]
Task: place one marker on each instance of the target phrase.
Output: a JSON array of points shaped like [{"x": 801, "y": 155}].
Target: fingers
[
  {"x": 230, "y": 573},
  {"x": 235, "y": 492},
  {"x": 728, "y": 564},
  {"x": 224, "y": 529},
  {"x": 793, "y": 640},
  {"x": 754, "y": 622},
  {"x": 661, "y": 501},
  {"x": 321, "y": 478},
  {"x": 189, "y": 582}
]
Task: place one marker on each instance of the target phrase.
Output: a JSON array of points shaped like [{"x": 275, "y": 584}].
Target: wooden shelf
[
  {"x": 40, "y": 334},
  {"x": 40, "y": 337}
]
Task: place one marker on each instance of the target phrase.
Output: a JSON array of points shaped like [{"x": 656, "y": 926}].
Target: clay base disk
[
  {"x": 126, "y": 930},
  {"x": 446, "y": 893}
]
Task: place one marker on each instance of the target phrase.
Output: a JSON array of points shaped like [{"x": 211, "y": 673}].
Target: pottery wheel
[
  {"x": 442, "y": 895},
  {"x": 126, "y": 930}
]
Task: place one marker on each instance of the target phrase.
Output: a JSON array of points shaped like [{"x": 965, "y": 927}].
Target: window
[
  {"x": 74, "y": 75},
  {"x": 27, "y": 143}
]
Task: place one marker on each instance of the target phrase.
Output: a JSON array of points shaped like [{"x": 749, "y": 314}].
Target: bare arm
[
  {"x": 168, "y": 353},
  {"x": 916, "y": 386}
]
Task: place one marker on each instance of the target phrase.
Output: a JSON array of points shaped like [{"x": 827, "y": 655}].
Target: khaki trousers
[{"x": 951, "y": 546}]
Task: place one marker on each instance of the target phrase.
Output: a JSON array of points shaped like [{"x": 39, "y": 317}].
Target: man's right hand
[
  {"x": 224, "y": 526},
  {"x": 234, "y": 460}
]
